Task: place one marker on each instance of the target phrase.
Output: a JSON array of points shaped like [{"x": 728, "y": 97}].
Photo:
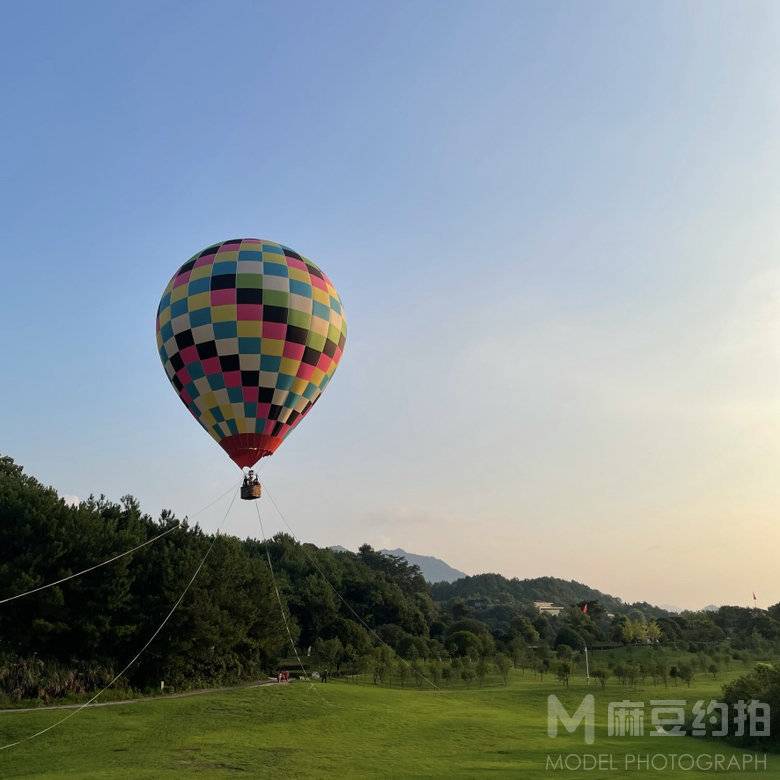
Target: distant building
[{"x": 548, "y": 608}]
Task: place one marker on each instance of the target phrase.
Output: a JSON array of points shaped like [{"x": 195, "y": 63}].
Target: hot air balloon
[{"x": 250, "y": 333}]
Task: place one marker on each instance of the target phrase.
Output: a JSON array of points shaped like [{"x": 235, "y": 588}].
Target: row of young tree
[
  {"x": 382, "y": 666},
  {"x": 365, "y": 615}
]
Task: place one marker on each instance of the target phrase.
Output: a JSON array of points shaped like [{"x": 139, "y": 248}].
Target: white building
[{"x": 548, "y": 608}]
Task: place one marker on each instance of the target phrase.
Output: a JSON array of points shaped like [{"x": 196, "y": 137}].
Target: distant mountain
[
  {"x": 484, "y": 591},
  {"x": 711, "y": 608},
  {"x": 433, "y": 569}
]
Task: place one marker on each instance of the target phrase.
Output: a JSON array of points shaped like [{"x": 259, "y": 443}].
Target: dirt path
[{"x": 183, "y": 695}]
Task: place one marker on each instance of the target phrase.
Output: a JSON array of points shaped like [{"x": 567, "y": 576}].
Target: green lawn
[{"x": 340, "y": 730}]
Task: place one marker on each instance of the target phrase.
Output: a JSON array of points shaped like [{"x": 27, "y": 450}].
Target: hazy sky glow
[{"x": 553, "y": 226}]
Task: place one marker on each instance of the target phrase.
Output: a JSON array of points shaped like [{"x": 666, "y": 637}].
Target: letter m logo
[{"x": 585, "y": 714}]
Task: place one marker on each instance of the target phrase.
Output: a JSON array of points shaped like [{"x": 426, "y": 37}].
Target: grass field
[{"x": 342, "y": 730}]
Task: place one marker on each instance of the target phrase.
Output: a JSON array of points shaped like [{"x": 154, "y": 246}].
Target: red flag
[{"x": 584, "y": 609}]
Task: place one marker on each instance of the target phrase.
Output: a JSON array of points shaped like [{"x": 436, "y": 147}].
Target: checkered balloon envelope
[{"x": 250, "y": 333}]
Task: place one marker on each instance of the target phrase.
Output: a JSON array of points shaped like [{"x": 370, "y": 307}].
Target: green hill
[{"x": 484, "y": 590}]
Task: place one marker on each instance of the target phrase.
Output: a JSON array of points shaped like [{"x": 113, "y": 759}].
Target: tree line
[{"x": 363, "y": 614}]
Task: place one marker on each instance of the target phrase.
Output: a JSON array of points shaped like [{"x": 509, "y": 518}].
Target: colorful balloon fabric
[{"x": 250, "y": 333}]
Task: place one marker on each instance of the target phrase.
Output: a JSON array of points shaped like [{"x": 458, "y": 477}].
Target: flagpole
[
  {"x": 584, "y": 610},
  {"x": 587, "y": 667}
]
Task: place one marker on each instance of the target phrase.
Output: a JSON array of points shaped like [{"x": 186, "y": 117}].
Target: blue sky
[{"x": 553, "y": 228}]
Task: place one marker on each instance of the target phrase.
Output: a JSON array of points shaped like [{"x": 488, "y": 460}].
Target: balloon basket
[{"x": 250, "y": 492}]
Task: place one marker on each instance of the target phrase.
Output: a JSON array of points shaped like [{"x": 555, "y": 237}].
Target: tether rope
[
  {"x": 174, "y": 527},
  {"x": 141, "y": 651},
  {"x": 278, "y": 595},
  {"x": 313, "y": 561},
  {"x": 306, "y": 675}
]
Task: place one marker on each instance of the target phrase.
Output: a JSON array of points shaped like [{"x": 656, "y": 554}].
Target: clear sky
[{"x": 554, "y": 228}]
